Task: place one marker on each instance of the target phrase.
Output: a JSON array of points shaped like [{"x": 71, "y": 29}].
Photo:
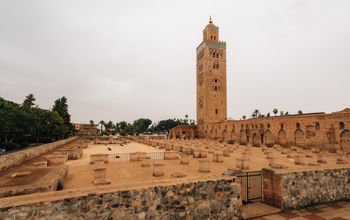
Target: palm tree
[
  {"x": 186, "y": 119},
  {"x": 275, "y": 111}
]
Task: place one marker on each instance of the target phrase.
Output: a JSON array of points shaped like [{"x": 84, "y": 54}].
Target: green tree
[
  {"x": 29, "y": 101},
  {"x": 268, "y": 114},
  {"x": 281, "y": 113},
  {"x": 141, "y": 125},
  {"x": 92, "y": 123},
  {"x": 244, "y": 117},
  {"x": 186, "y": 119},
  {"x": 166, "y": 125},
  {"x": 61, "y": 107},
  {"x": 300, "y": 112},
  {"x": 275, "y": 111},
  {"x": 121, "y": 125},
  {"x": 20, "y": 124},
  {"x": 109, "y": 125}
]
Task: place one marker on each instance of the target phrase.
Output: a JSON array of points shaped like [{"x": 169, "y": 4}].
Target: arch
[
  {"x": 242, "y": 137},
  {"x": 345, "y": 140},
  {"x": 233, "y": 136},
  {"x": 215, "y": 133},
  {"x": 256, "y": 142},
  {"x": 226, "y": 133},
  {"x": 282, "y": 138},
  {"x": 268, "y": 138},
  {"x": 299, "y": 138}
]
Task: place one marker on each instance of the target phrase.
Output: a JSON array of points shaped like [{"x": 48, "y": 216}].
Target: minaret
[{"x": 211, "y": 77}]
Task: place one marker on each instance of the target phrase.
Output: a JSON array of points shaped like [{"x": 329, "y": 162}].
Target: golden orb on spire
[{"x": 210, "y": 21}]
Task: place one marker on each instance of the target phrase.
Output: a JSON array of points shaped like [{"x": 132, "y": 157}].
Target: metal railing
[{"x": 123, "y": 157}]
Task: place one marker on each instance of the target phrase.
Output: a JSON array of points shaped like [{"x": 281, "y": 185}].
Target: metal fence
[
  {"x": 123, "y": 157},
  {"x": 251, "y": 183}
]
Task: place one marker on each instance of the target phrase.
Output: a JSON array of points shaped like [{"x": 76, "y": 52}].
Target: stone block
[
  {"x": 226, "y": 153},
  {"x": 20, "y": 174},
  {"x": 171, "y": 155},
  {"x": 178, "y": 175},
  {"x": 321, "y": 159},
  {"x": 299, "y": 160},
  {"x": 100, "y": 176},
  {"x": 242, "y": 163},
  {"x": 40, "y": 164},
  {"x": 158, "y": 169},
  {"x": 54, "y": 160},
  {"x": 196, "y": 154},
  {"x": 185, "y": 159},
  {"x": 204, "y": 166},
  {"x": 146, "y": 162},
  {"x": 99, "y": 163},
  {"x": 218, "y": 157},
  {"x": 95, "y": 157},
  {"x": 203, "y": 154}
]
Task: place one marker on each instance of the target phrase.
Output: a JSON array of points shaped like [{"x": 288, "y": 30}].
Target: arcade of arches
[{"x": 309, "y": 130}]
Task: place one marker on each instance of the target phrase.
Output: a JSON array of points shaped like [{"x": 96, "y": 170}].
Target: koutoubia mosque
[{"x": 304, "y": 130}]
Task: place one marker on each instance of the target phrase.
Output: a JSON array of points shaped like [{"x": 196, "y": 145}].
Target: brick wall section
[
  {"x": 272, "y": 190},
  {"x": 17, "y": 158},
  {"x": 303, "y": 188},
  {"x": 212, "y": 199}
]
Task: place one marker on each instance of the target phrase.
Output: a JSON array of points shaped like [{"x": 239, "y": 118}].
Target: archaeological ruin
[{"x": 212, "y": 170}]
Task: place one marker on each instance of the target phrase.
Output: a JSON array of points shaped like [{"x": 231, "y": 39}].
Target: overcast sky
[{"x": 122, "y": 60}]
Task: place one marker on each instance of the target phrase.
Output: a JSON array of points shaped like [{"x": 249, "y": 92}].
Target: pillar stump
[
  {"x": 158, "y": 169},
  {"x": 204, "y": 166}
]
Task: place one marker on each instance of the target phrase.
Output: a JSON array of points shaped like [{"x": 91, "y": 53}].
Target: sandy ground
[
  {"x": 80, "y": 173},
  {"x": 115, "y": 149}
]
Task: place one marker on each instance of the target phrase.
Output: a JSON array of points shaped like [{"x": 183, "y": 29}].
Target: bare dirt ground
[
  {"x": 34, "y": 175},
  {"x": 115, "y": 149},
  {"x": 81, "y": 173}
]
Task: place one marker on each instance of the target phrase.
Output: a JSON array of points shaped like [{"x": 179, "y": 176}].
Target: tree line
[
  {"x": 142, "y": 125},
  {"x": 256, "y": 114},
  {"x": 27, "y": 123}
]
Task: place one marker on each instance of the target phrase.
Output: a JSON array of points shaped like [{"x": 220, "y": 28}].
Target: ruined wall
[
  {"x": 13, "y": 159},
  {"x": 302, "y": 188},
  {"x": 310, "y": 130},
  {"x": 216, "y": 199},
  {"x": 184, "y": 131}
]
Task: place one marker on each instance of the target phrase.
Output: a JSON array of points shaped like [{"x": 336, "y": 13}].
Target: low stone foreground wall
[
  {"x": 302, "y": 188},
  {"x": 212, "y": 199},
  {"x": 16, "y": 158}
]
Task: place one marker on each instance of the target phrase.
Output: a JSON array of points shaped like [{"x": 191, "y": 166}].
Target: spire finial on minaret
[{"x": 210, "y": 21}]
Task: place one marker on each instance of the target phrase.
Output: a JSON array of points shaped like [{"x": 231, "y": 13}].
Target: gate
[{"x": 251, "y": 185}]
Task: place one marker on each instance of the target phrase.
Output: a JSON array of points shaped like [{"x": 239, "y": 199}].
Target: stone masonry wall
[
  {"x": 302, "y": 188},
  {"x": 13, "y": 159},
  {"x": 212, "y": 199}
]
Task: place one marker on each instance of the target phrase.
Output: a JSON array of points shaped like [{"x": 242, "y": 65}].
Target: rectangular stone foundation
[{"x": 30, "y": 180}]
